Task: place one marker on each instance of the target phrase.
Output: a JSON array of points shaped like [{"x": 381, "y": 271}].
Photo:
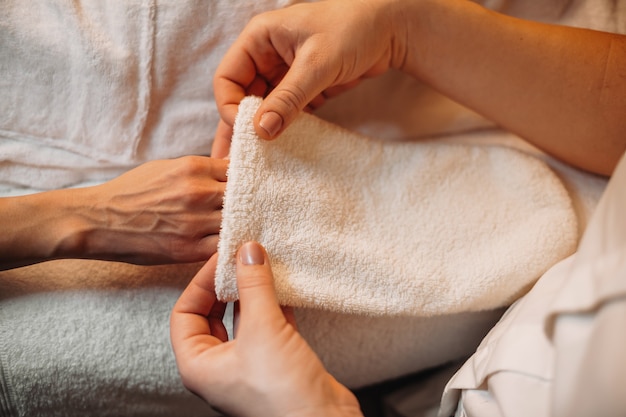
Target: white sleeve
[
  {"x": 559, "y": 351},
  {"x": 587, "y": 319}
]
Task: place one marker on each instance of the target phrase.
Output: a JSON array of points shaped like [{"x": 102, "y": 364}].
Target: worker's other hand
[
  {"x": 268, "y": 369},
  {"x": 299, "y": 56}
]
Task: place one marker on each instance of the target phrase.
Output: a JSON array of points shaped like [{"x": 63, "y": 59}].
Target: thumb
[
  {"x": 302, "y": 83},
  {"x": 255, "y": 283}
]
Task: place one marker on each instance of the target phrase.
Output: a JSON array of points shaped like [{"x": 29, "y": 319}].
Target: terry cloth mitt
[{"x": 357, "y": 225}]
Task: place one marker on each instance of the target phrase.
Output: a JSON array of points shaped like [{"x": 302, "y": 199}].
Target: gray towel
[{"x": 79, "y": 353}]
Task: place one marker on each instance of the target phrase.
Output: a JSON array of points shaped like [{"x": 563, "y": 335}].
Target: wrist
[
  {"x": 329, "y": 411},
  {"x": 334, "y": 400},
  {"x": 398, "y": 15},
  {"x": 418, "y": 23},
  {"x": 65, "y": 224},
  {"x": 425, "y": 30},
  {"x": 393, "y": 20},
  {"x": 447, "y": 40},
  {"x": 83, "y": 229},
  {"x": 38, "y": 227}
]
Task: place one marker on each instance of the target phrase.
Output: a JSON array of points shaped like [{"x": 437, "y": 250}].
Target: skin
[
  {"x": 563, "y": 89},
  {"x": 166, "y": 211},
  {"x": 268, "y": 363}
]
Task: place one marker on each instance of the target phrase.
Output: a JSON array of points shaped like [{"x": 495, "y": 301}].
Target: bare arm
[
  {"x": 561, "y": 88},
  {"x": 35, "y": 228},
  {"x": 166, "y": 211}
]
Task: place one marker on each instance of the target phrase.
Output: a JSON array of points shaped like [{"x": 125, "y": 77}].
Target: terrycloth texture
[
  {"x": 190, "y": 36},
  {"x": 91, "y": 353},
  {"x": 363, "y": 226},
  {"x": 562, "y": 344},
  {"x": 360, "y": 350},
  {"x": 65, "y": 68},
  {"x": 139, "y": 297},
  {"x": 605, "y": 15},
  {"x": 91, "y": 88}
]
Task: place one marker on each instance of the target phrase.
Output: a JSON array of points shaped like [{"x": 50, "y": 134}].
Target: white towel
[
  {"x": 99, "y": 87},
  {"x": 90, "y": 89},
  {"x": 356, "y": 225}
]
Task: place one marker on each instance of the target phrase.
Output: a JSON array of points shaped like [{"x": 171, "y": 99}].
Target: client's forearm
[
  {"x": 561, "y": 88},
  {"x": 38, "y": 227},
  {"x": 165, "y": 211}
]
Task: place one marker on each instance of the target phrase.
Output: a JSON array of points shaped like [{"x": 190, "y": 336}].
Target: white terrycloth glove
[{"x": 356, "y": 225}]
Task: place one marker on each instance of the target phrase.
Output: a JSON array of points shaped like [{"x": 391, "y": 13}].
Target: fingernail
[
  {"x": 271, "y": 122},
  {"x": 251, "y": 253}
]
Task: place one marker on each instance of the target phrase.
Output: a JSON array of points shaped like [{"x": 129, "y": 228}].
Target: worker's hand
[
  {"x": 298, "y": 56},
  {"x": 160, "y": 212},
  {"x": 268, "y": 369}
]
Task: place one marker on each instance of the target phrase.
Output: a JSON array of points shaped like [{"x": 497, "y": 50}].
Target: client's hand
[
  {"x": 166, "y": 211},
  {"x": 161, "y": 212},
  {"x": 268, "y": 369}
]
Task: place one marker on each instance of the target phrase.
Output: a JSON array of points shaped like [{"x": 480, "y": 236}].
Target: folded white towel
[{"x": 363, "y": 226}]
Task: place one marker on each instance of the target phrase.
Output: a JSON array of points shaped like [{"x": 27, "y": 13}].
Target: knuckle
[
  {"x": 191, "y": 164},
  {"x": 258, "y": 20},
  {"x": 291, "y": 97},
  {"x": 258, "y": 278}
]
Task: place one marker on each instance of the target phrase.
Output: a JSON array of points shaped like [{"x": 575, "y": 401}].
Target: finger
[
  {"x": 207, "y": 246},
  {"x": 212, "y": 223},
  {"x": 288, "y": 313},
  {"x": 259, "y": 87},
  {"x": 301, "y": 85},
  {"x": 290, "y": 316},
  {"x": 219, "y": 168},
  {"x": 216, "y": 322},
  {"x": 236, "y": 71},
  {"x": 199, "y": 296},
  {"x": 236, "y": 311},
  {"x": 212, "y": 193},
  {"x": 257, "y": 297},
  {"x": 196, "y": 311},
  {"x": 317, "y": 102},
  {"x": 221, "y": 142}
]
